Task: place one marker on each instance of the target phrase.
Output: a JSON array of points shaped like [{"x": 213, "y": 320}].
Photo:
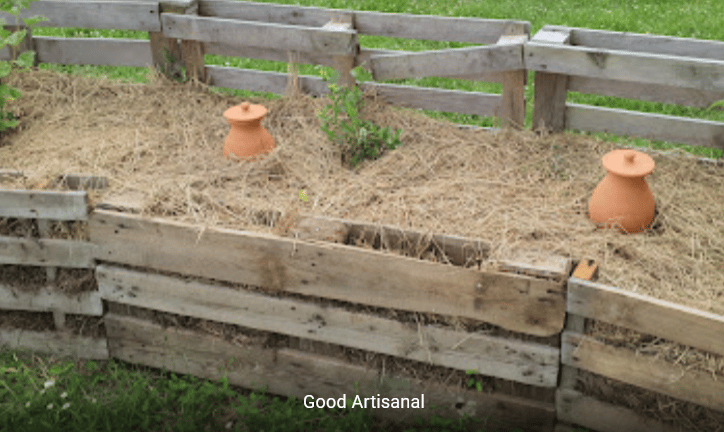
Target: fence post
[
  {"x": 549, "y": 104},
  {"x": 512, "y": 105},
  {"x": 344, "y": 64},
  {"x": 170, "y": 57}
]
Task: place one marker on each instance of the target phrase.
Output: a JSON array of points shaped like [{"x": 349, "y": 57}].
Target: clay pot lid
[
  {"x": 245, "y": 112},
  {"x": 628, "y": 163}
]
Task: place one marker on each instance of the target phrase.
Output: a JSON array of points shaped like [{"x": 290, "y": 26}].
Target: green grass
[
  {"x": 41, "y": 393},
  {"x": 662, "y": 17}
]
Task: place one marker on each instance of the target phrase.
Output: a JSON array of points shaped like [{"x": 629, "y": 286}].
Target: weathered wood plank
[
  {"x": 536, "y": 263},
  {"x": 344, "y": 64},
  {"x": 91, "y": 51},
  {"x": 651, "y": 374},
  {"x": 646, "y": 92},
  {"x": 407, "y": 96},
  {"x": 646, "y": 314},
  {"x": 523, "y": 362},
  {"x": 551, "y": 90},
  {"x": 586, "y": 411},
  {"x": 57, "y": 343},
  {"x": 46, "y": 252},
  {"x": 268, "y": 54},
  {"x": 483, "y": 104},
  {"x": 294, "y": 373},
  {"x": 512, "y": 104},
  {"x": 458, "y": 61},
  {"x": 257, "y": 34},
  {"x": 34, "y": 204},
  {"x": 704, "y": 133},
  {"x": 473, "y": 30},
  {"x": 701, "y": 74},
  {"x": 656, "y": 44},
  {"x": 514, "y": 302},
  {"x": 44, "y": 300},
  {"x": 121, "y": 15}
]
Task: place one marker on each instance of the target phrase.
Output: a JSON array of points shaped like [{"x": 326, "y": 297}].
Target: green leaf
[
  {"x": 34, "y": 20},
  {"x": 16, "y": 38},
  {"x": 26, "y": 59},
  {"x": 5, "y": 68}
]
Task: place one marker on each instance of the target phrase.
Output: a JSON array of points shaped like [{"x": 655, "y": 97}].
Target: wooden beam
[
  {"x": 46, "y": 299},
  {"x": 549, "y": 103},
  {"x": 649, "y": 373},
  {"x": 38, "y": 204},
  {"x": 46, "y": 252},
  {"x": 447, "y": 62},
  {"x": 523, "y": 362},
  {"x": 703, "y": 133},
  {"x": 121, "y": 15},
  {"x": 514, "y": 302},
  {"x": 646, "y": 314},
  {"x": 574, "y": 407},
  {"x": 293, "y": 373},
  {"x": 92, "y": 51},
  {"x": 512, "y": 106},
  {"x": 263, "y": 35},
  {"x": 62, "y": 344},
  {"x": 344, "y": 64}
]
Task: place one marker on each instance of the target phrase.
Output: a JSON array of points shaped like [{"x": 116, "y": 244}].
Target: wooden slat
[
  {"x": 523, "y": 362},
  {"x": 257, "y": 34},
  {"x": 56, "y": 343},
  {"x": 648, "y": 373},
  {"x": 536, "y": 263},
  {"x": 268, "y": 54},
  {"x": 704, "y": 133},
  {"x": 121, "y": 15},
  {"x": 646, "y": 314},
  {"x": 512, "y": 104},
  {"x": 407, "y": 96},
  {"x": 261, "y": 81},
  {"x": 483, "y": 104},
  {"x": 701, "y": 74},
  {"x": 293, "y": 373},
  {"x": 514, "y": 302},
  {"x": 646, "y": 92},
  {"x": 656, "y": 44},
  {"x": 459, "y": 61},
  {"x": 44, "y": 300},
  {"x": 586, "y": 411},
  {"x": 46, "y": 252},
  {"x": 32, "y": 204},
  {"x": 551, "y": 89},
  {"x": 473, "y": 30},
  {"x": 93, "y": 51}
]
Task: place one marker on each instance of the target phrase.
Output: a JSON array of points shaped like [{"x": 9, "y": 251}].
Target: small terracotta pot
[
  {"x": 623, "y": 198},
  {"x": 247, "y": 137}
]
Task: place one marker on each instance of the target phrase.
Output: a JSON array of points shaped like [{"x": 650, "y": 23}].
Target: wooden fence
[{"x": 169, "y": 267}]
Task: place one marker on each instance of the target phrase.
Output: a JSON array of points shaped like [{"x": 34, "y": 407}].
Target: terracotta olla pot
[
  {"x": 623, "y": 198},
  {"x": 247, "y": 137}
]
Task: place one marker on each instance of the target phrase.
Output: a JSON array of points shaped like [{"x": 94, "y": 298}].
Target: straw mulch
[{"x": 516, "y": 190}]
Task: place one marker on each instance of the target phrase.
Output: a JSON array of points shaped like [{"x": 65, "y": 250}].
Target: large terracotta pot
[
  {"x": 623, "y": 198},
  {"x": 247, "y": 137}
]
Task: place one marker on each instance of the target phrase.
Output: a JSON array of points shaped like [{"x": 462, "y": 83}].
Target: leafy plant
[
  {"x": 472, "y": 382},
  {"x": 359, "y": 139},
  {"x": 24, "y": 60}
]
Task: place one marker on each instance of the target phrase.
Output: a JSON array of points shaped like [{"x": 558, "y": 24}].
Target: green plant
[
  {"x": 359, "y": 139},
  {"x": 472, "y": 382},
  {"x": 24, "y": 60}
]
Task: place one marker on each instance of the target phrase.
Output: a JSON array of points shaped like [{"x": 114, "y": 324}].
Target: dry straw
[{"x": 516, "y": 190}]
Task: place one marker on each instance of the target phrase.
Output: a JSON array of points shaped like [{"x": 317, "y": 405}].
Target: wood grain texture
[
  {"x": 686, "y": 72},
  {"x": 646, "y": 314},
  {"x": 512, "y": 104},
  {"x": 648, "y": 373},
  {"x": 261, "y": 81},
  {"x": 551, "y": 90},
  {"x": 457, "y": 61},
  {"x": 121, "y": 15},
  {"x": 46, "y": 252},
  {"x": 704, "y": 133},
  {"x": 259, "y": 34},
  {"x": 61, "y": 344},
  {"x": 647, "y": 92},
  {"x": 93, "y": 51},
  {"x": 37, "y": 204},
  {"x": 523, "y": 362},
  {"x": 45, "y": 299},
  {"x": 514, "y": 302},
  {"x": 472, "y": 30},
  {"x": 656, "y": 44},
  {"x": 293, "y": 373},
  {"x": 574, "y": 407}
]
